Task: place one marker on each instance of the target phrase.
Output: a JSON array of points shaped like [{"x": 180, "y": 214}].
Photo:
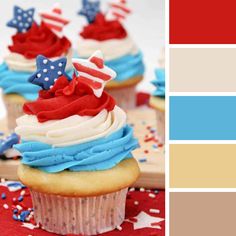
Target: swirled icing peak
[
  {"x": 39, "y": 39},
  {"x": 22, "y": 19},
  {"x": 102, "y": 29},
  {"x": 67, "y": 98}
]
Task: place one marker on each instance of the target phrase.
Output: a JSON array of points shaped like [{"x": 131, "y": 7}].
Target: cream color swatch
[
  {"x": 203, "y": 165},
  {"x": 203, "y": 70}
]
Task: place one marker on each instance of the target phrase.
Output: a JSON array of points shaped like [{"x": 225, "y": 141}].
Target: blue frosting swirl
[
  {"x": 127, "y": 66},
  {"x": 101, "y": 154},
  {"x": 159, "y": 82},
  {"x": 17, "y": 82}
]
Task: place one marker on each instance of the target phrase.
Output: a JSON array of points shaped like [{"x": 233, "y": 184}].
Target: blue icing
[
  {"x": 100, "y": 154},
  {"x": 17, "y": 82},
  {"x": 159, "y": 82},
  {"x": 127, "y": 66}
]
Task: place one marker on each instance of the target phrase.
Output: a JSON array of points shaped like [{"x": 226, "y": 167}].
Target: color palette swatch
[
  {"x": 202, "y": 118},
  {"x": 202, "y": 214},
  {"x": 202, "y": 22},
  {"x": 202, "y": 165},
  {"x": 202, "y": 70}
]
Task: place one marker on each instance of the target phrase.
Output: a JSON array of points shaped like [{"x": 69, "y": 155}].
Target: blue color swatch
[{"x": 202, "y": 118}]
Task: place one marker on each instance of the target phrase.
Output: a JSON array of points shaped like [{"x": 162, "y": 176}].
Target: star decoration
[
  {"x": 90, "y": 10},
  {"x": 48, "y": 71},
  {"x": 22, "y": 19},
  {"x": 93, "y": 72},
  {"x": 146, "y": 221}
]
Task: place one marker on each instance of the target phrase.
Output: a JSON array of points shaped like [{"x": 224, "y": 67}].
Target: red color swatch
[{"x": 202, "y": 22}]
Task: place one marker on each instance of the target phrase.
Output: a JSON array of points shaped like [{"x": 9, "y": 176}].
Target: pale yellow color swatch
[
  {"x": 203, "y": 165},
  {"x": 202, "y": 70}
]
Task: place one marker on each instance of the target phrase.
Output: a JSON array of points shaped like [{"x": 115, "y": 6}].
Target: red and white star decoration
[
  {"x": 54, "y": 19},
  {"x": 93, "y": 72},
  {"x": 118, "y": 10}
]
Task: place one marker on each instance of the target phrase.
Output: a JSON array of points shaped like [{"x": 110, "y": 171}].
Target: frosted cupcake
[
  {"x": 106, "y": 33},
  {"x": 76, "y": 150},
  {"x": 157, "y": 101},
  {"x": 30, "y": 40}
]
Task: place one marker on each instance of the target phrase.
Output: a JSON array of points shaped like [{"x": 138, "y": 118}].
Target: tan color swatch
[
  {"x": 202, "y": 214},
  {"x": 203, "y": 165},
  {"x": 203, "y": 70}
]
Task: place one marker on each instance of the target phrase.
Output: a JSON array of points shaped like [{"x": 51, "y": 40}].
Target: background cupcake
[
  {"x": 76, "y": 150},
  {"x": 105, "y": 32},
  {"x": 30, "y": 40},
  {"x": 157, "y": 101}
]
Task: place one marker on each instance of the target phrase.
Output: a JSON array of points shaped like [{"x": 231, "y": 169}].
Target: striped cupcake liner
[
  {"x": 125, "y": 97},
  {"x": 79, "y": 215}
]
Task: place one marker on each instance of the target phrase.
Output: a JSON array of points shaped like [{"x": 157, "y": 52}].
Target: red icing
[
  {"x": 102, "y": 29},
  {"x": 67, "y": 98},
  {"x": 39, "y": 40}
]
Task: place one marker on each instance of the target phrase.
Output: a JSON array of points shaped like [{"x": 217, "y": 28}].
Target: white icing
[
  {"x": 18, "y": 62},
  {"x": 72, "y": 130},
  {"x": 111, "y": 49}
]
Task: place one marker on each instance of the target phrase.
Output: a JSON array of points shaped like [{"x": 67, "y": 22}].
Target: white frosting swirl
[
  {"x": 18, "y": 62},
  {"x": 72, "y": 130},
  {"x": 111, "y": 49}
]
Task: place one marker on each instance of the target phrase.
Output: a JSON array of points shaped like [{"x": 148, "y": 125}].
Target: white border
[{"x": 167, "y": 53}]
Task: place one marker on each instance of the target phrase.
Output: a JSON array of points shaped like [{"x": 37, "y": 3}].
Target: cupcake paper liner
[
  {"x": 14, "y": 110},
  {"x": 125, "y": 97},
  {"x": 79, "y": 215},
  {"x": 160, "y": 116}
]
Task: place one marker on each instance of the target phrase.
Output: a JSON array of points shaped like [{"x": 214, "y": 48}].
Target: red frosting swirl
[
  {"x": 102, "y": 29},
  {"x": 39, "y": 39},
  {"x": 68, "y": 98}
]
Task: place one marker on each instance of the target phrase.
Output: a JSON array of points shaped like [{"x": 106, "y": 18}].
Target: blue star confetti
[
  {"x": 90, "y": 9},
  {"x": 48, "y": 72},
  {"x": 22, "y": 19}
]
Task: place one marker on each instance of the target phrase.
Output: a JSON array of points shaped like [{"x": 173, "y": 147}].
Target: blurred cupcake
[
  {"x": 106, "y": 33},
  {"x": 30, "y": 40},
  {"x": 157, "y": 101},
  {"x": 76, "y": 150}
]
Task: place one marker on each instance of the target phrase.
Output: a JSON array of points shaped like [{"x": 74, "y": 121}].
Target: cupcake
[
  {"x": 105, "y": 32},
  {"x": 157, "y": 101},
  {"x": 76, "y": 150},
  {"x": 30, "y": 40}
]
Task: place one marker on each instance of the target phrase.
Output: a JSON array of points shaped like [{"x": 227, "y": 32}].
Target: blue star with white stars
[
  {"x": 48, "y": 72},
  {"x": 90, "y": 9},
  {"x": 22, "y": 19}
]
